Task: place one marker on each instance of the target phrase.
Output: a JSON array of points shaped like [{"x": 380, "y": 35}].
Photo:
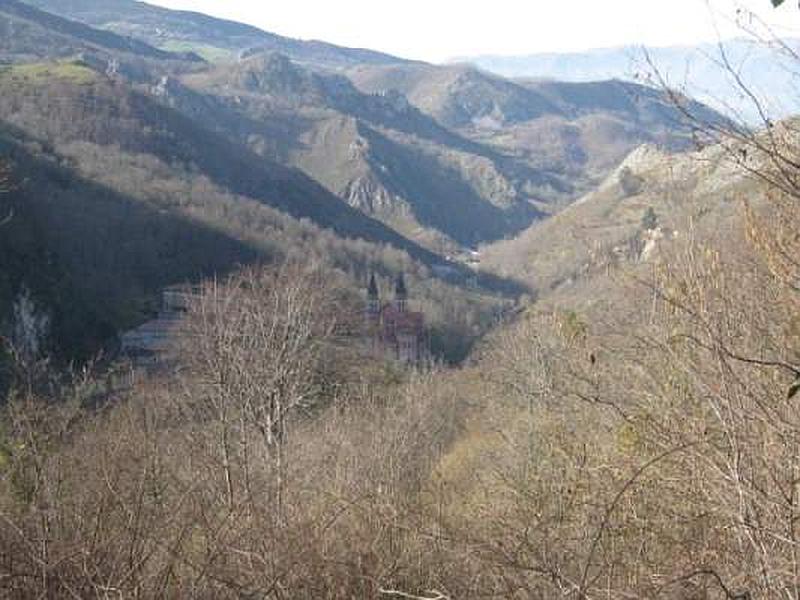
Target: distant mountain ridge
[
  {"x": 457, "y": 96},
  {"x": 441, "y": 154},
  {"x": 214, "y": 37},
  {"x": 570, "y": 133},
  {"x": 29, "y": 33},
  {"x": 769, "y": 71}
]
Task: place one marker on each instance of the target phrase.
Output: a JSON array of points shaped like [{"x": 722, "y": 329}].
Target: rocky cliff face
[{"x": 652, "y": 198}]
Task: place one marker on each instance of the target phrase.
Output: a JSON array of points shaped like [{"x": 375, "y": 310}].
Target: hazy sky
[{"x": 436, "y": 30}]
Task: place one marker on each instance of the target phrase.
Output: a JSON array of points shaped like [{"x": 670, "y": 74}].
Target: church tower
[
  {"x": 373, "y": 299},
  {"x": 400, "y": 294}
]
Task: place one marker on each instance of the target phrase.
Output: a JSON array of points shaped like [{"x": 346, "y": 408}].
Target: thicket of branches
[
  {"x": 648, "y": 452},
  {"x": 278, "y": 464}
]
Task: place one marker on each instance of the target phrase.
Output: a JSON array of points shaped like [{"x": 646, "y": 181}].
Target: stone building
[
  {"x": 394, "y": 331},
  {"x": 151, "y": 341}
]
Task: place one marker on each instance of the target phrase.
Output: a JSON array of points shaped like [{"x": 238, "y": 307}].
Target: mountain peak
[{"x": 269, "y": 71}]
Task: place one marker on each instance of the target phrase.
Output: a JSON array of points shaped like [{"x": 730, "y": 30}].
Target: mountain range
[
  {"x": 131, "y": 129},
  {"x": 708, "y": 72},
  {"x": 210, "y": 37}
]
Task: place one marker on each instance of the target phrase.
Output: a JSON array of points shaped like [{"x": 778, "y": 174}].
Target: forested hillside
[
  {"x": 185, "y": 151},
  {"x": 116, "y": 196},
  {"x": 95, "y": 245},
  {"x": 597, "y": 368}
]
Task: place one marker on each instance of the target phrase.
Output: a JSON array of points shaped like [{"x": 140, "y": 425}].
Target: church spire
[
  {"x": 373, "y": 296},
  {"x": 372, "y": 290},
  {"x": 400, "y": 293}
]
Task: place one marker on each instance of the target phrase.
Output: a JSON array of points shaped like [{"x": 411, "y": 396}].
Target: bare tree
[{"x": 256, "y": 344}]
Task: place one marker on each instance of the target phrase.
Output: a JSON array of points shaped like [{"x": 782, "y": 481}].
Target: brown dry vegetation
[
  {"x": 663, "y": 442},
  {"x": 219, "y": 483},
  {"x": 635, "y": 434},
  {"x": 641, "y": 452}
]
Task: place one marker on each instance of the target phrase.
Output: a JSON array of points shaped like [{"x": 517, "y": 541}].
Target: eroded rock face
[
  {"x": 366, "y": 194},
  {"x": 394, "y": 102},
  {"x": 29, "y": 327}
]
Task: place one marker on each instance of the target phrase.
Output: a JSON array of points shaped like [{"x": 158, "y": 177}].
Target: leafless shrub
[{"x": 136, "y": 498}]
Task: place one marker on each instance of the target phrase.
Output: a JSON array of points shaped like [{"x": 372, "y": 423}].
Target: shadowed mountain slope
[
  {"x": 92, "y": 256},
  {"x": 376, "y": 151},
  {"x": 107, "y": 113},
  {"x": 575, "y": 132},
  {"x": 116, "y": 196}
]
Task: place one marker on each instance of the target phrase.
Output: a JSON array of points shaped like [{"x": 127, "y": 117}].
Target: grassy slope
[
  {"x": 44, "y": 73},
  {"x": 161, "y": 26},
  {"x": 210, "y": 53}
]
